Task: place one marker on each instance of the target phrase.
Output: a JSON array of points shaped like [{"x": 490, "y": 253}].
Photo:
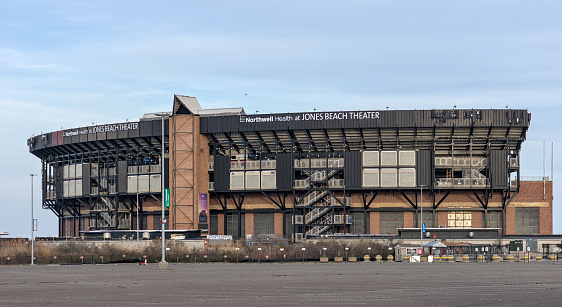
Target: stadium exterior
[{"x": 296, "y": 175}]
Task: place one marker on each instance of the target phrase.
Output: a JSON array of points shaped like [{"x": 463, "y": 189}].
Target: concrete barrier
[{"x": 352, "y": 259}]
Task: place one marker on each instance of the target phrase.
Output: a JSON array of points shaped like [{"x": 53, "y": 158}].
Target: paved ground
[{"x": 289, "y": 284}]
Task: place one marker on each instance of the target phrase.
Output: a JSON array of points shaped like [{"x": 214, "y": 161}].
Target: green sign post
[{"x": 167, "y": 198}]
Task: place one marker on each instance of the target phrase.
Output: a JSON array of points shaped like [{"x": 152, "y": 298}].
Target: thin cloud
[{"x": 22, "y": 60}]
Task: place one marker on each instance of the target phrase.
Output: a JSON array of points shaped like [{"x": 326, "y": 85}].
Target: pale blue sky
[{"x": 72, "y": 63}]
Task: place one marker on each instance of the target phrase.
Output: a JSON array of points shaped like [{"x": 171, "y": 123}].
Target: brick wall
[
  {"x": 374, "y": 222},
  {"x": 188, "y": 171},
  {"x": 545, "y": 220},
  {"x": 408, "y": 219},
  {"x": 442, "y": 218},
  {"x": 220, "y": 226},
  {"x": 530, "y": 195},
  {"x": 278, "y": 223},
  {"x": 510, "y": 220},
  {"x": 249, "y": 223},
  {"x": 477, "y": 219}
]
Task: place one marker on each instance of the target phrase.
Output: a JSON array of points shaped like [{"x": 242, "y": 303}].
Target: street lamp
[
  {"x": 162, "y": 114},
  {"x": 32, "y": 223},
  {"x": 421, "y": 216},
  {"x": 138, "y": 220},
  {"x": 346, "y": 257}
]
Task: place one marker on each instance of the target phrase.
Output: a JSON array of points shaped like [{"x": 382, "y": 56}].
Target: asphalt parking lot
[{"x": 287, "y": 284}]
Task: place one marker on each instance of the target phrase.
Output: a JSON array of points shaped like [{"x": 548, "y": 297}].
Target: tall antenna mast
[
  {"x": 552, "y": 163},
  {"x": 543, "y": 171}
]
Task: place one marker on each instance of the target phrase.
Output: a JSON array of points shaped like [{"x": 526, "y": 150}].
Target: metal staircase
[
  {"x": 471, "y": 175},
  {"x": 105, "y": 209},
  {"x": 319, "y": 203}
]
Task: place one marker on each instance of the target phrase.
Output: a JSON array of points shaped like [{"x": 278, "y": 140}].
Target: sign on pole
[
  {"x": 423, "y": 227},
  {"x": 167, "y": 198}
]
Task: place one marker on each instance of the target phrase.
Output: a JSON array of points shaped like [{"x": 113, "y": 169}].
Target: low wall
[{"x": 131, "y": 244}]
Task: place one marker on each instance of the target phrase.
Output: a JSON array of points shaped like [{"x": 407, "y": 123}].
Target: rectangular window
[
  {"x": 232, "y": 225},
  {"x": 288, "y": 225},
  {"x": 157, "y": 225},
  {"x": 493, "y": 220},
  {"x": 263, "y": 223},
  {"x": 82, "y": 224},
  {"x": 144, "y": 222},
  {"x": 526, "y": 220},
  {"x": 213, "y": 224},
  {"x": 390, "y": 221},
  {"x": 459, "y": 219},
  {"x": 428, "y": 219},
  {"x": 358, "y": 222},
  {"x": 67, "y": 227}
]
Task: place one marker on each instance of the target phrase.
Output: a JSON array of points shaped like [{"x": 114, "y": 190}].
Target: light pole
[
  {"x": 162, "y": 114},
  {"x": 421, "y": 216},
  {"x": 138, "y": 207},
  {"x": 32, "y": 224}
]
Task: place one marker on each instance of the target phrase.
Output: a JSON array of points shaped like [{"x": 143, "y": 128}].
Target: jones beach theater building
[{"x": 296, "y": 175}]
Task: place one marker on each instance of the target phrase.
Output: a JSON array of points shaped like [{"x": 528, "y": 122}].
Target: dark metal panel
[
  {"x": 134, "y": 133},
  {"x": 92, "y": 137},
  {"x": 222, "y": 173},
  {"x": 86, "y": 179},
  {"x": 101, "y": 136},
  {"x": 122, "y": 176},
  {"x": 111, "y": 135},
  {"x": 83, "y": 137},
  {"x": 145, "y": 128},
  {"x": 203, "y": 125},
  {"x": 284, "y": 172},
  {"x": 498, "y": 168},
  {"x": 123, "y": 134},
  {"x": 217, "y": 124},
  {"x": 59, "y": 182},
  {"x": 352, "y": 169},
  {"x": 424, "y": 170},
  {"x": 232, "y": 123},
  {"x": 157, "y": 127},
  {"x": 67, "y": 140},
  {"x": 279, "y": 125}
]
